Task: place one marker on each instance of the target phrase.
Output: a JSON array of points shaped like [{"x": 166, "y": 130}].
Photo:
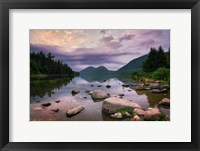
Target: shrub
[{"x": 161, "y": 74}]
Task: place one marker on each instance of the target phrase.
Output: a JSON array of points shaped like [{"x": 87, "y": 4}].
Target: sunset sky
[{"x": 95, "y": 47}]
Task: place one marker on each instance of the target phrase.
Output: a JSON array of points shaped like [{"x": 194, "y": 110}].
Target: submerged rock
[
  {"x": 108, "y": 86},
  {"x": 85, "y": 97},
  {"x": 87, "y": 91},
  {"x": 165, "y": 101},
  {"x": 121, "y": 94},
  {"x": 151, "y": 112},
  {"x": 136, "y": 118},
  {"x": 99, "y": 95},
  {"x": 46, "y": 104},
  {"x": 114, "y": 104},
  {"x": 117, "y": 115},
  {"x": 91, "y": 85},
  {"x": 125, "y": 85},
  {"x": 159, "y": 91},
  {"x": 156, "y": 91},
  {"x": 55, "y": 110},
  {"x": 74, "y": 111},
  {"x": 75, "y": 91},
  {"x": 58, "y": 101},
  {"x": 99, "y": 86}
]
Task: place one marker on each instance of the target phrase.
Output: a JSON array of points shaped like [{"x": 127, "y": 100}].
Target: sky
[{"x": 112, "y": 48}]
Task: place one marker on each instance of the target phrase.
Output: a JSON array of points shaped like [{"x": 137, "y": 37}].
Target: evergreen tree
[{"x": 46, "y": 64}]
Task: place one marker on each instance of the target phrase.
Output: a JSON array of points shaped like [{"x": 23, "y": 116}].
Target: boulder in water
[{"x": 74, "y": 111}]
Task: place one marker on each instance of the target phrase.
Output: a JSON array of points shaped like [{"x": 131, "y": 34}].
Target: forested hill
[{"x": 40, "y": 63}]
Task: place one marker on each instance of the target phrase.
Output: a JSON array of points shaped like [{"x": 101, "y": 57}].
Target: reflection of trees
[
  {"x": 41, "y": 86},
  {"x": 153, "y": 98}
]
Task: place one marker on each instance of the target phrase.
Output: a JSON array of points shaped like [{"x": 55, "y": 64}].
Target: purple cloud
[{"x": 126, "y": 37}]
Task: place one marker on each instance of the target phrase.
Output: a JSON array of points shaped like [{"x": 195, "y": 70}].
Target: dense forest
[
  {"x": 40, "y": 63},
  {"x": 156, "y": 66}
]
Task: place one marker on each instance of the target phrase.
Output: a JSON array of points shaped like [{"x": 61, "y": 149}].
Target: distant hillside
[
  {"x": 95, "y": 71},
  {"x": 133, "y": 65}
]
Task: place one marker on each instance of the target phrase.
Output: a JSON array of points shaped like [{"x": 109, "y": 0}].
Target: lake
[{"x": 53, "y": 88}]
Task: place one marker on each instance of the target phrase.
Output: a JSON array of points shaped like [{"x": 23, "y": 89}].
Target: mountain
[
  {"x": 96, "y": 74},
  {"x": 133, "y": 65},
  {"x": 95, "y": 71},
  {"x": 103, "y": 72}
]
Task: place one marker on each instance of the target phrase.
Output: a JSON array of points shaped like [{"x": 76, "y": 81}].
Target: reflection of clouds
[{"x": 111, "y": 48}]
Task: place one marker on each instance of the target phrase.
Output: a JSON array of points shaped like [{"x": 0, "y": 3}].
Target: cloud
[
  {"x": 106, "y": 38},
  {"x": 126, "y": 37},
  {"x": 91, "y": 47},
  {"x": 104, "y": 31}
]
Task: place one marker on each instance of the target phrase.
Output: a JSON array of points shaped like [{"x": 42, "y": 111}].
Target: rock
[
  {"x": 147, "y": 81},
  {"x": 37, "y": 108},
  {"x": 90, "y": 93},
  {"x": 139, "y": 111},
  {"x": 46, "y": 104},
  {"x": 165, "y": 101},
  {"x": 154, "y": 85},
  {"x": 136, "y": 118},
  {"x": 125, "y": 85},
  {"x": 91, "y": 85},
  {"x": 159, "y": 91},
  {"x": 121, "y": 94},
  {"x": 165, "y": 86},
  {"x": 55, "y": 110},
  {"x": 108, "y": 86},
  {"x": 58, "y": 101},
  {"x": 164, "y": 90},
  {"x": 37, "y": 101},
  {"x": 85, "y": 97},
  {"x": 74, "y": 111},
  {"x": 99, "y": 86},
  {"x": 129, "y": 90},
  {"x": 151, "y": 112},
  {"x": 127, "y": 114},
  {"x": 99, "y": 95},
  {"x": 75, "y": 91},
  {"x": 87, "y": 91},
  {"x": 117, "y": 115},
  {"x": 114, "y": 104},
  {"x": 140, "y": 87},
  {"x": 157, "y": 81}
]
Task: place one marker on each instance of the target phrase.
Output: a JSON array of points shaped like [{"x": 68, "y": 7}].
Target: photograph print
[{"x": 100, "y": 75}]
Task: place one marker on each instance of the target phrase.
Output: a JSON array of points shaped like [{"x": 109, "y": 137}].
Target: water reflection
[{"x": 50, "y": 89}]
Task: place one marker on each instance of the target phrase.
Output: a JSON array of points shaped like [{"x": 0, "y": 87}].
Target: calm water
[{"x": 44, "y": 90}]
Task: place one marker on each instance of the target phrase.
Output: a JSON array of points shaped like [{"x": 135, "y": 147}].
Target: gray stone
[
  {"x": 99, "y": 95},
  {"x": 75, "y": 91},
  {"x": 74, "y": 111},
  {"x": 114, "y": 104}
]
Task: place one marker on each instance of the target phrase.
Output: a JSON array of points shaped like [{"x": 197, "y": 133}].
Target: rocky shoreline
[{"x": 118, "y": 107}]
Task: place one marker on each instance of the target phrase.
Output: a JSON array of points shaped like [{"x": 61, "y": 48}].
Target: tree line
[
  {"x": 157, "y": 65},
  {"x": 40, "y": 63}
]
